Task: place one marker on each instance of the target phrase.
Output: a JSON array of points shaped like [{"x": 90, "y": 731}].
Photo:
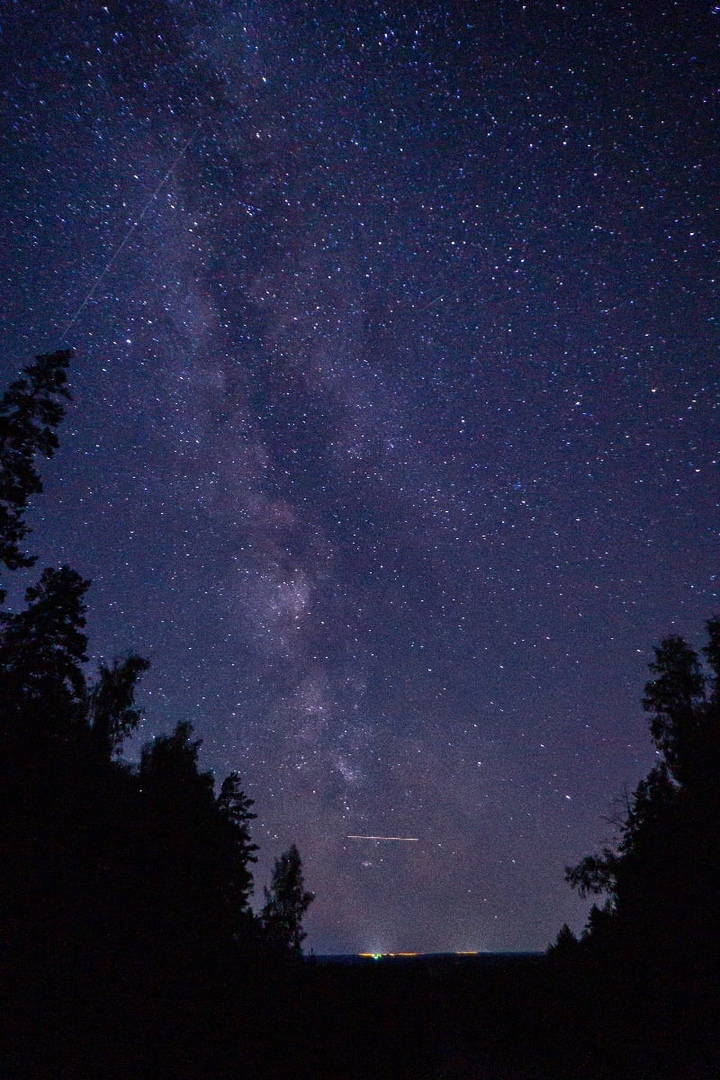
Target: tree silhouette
[
  {"x": 235, "y": 815},
  {"x": 677, "y": 700},
  {"x": 30, "y": 410},
  {"x": 113, "y": 713},
  {"x": 42, "y": 650},
  {"x": 655, "y": 942},
  {"x": 198, "y": 879},
  {"x": 178, "y": 807},
  {"x": 684, "y": 701},
  {"x": 286, "y": 901}
]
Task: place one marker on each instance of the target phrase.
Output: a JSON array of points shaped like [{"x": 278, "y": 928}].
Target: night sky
[{"x": 394, "y": 441}]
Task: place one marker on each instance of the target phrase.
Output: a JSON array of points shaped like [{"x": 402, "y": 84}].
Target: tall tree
[
  {"x": 30, "y": 411},
  {"x": 676, "y": 698},
  {"x": 42, "y": 650},
  {"x": 286, "y": 901},
  {"x": 235, "y": 814},
  {"x": 657, "y": 877},
  {"x": 650, "y": 954}
]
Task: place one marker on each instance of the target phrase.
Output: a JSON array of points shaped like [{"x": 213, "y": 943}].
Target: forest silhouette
[{"x": 128, "y": 943}]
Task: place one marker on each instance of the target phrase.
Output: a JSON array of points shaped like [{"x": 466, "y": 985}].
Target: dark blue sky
[{"x": 395, "y": 433}]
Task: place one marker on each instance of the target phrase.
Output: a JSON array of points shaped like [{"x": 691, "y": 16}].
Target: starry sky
[{"x": 394, "y": 441}]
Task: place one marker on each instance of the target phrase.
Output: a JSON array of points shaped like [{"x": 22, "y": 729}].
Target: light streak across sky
[{"x": 405, "y": 839}]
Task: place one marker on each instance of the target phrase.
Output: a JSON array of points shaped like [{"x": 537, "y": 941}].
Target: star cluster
[{"x": 394, "y": 441}]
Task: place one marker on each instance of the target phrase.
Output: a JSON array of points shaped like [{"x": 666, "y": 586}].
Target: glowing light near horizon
[
  {"x": 390, "y": 955},
  {"x": 384, "y": 955}
]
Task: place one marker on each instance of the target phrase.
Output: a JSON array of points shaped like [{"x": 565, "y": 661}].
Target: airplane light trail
[
  {"x": 405, "y": 839},
  {"x": 129, "y": 232}
]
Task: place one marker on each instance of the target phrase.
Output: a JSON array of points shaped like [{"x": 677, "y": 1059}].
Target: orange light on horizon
[
  {"x": 382, "y": 955},
  {"x": 390, "y": 955}
]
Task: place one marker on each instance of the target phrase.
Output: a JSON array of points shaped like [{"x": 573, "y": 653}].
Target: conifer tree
[
  {"x": 30, "y": 411},
  {"x": 286, "y": 901},
  {"x": 235, "y": 814},
  {"x": 42, "y": 650},
  {"x": 659, "y": 876}
]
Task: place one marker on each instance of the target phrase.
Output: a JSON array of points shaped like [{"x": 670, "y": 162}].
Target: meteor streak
[
  {"x": 405, "y": 839},
  {"x": 130, "y": 231}
]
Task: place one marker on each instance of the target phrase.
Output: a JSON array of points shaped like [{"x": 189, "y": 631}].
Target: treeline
[{"x": 128, "y": 944}]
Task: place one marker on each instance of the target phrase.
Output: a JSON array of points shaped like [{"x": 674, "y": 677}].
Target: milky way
[{"x": 395, "y": 425}]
